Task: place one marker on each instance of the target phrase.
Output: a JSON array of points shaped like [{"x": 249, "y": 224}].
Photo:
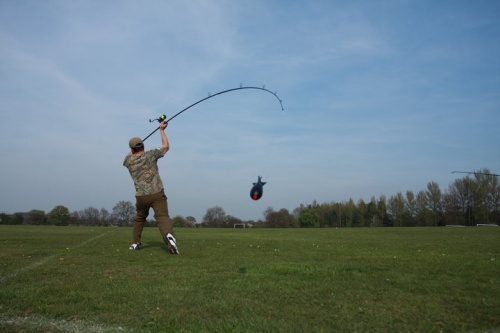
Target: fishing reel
[{"x": 160, "y": 119}]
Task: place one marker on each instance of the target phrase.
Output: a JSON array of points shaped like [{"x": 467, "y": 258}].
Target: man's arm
[{"x": 164, "y": 140}]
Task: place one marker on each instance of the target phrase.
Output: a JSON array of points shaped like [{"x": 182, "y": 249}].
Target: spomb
[{"x": 257, "y": 189}]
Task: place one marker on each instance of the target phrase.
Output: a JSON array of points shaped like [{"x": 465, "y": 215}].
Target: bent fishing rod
[
  {"x": 163, "y": 117},
  {"x": 477, "y": 173}
]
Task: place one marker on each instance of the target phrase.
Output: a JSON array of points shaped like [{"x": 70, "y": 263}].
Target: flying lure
[{"x": 257, "y": 189}]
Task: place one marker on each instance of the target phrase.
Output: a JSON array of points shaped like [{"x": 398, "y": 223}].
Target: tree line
[
  {"x": 122, "y": 215},
  {"x": 468, "y": 201}
]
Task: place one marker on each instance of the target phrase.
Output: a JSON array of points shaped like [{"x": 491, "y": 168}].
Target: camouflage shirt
[{"x": 143, "y": 169}]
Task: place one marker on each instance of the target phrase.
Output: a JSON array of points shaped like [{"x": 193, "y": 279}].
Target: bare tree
[
  {"x": 104, "y": 217},
  {"x": 434, "y": 200},
  {"x": 90, "y": 216},
  {"x": 123, "y": 213},
  {"x": 486, "y": 196},
  {"x": 423, "y": 212},
  {"x": 215, "y": 217},
  {"x": 411, "y": 206}
]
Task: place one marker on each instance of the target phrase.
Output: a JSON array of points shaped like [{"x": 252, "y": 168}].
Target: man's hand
[{"x": 163, "y": 125}]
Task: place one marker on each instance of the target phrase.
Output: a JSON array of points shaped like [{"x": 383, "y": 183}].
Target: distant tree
[
  {"x": 191, "y": 219},
  {"x": 90, "y": 216},
  {"x": 423, "y": 212},
  {"x": 458, "y": 202},
  {"x": 493, "y": 199},
  {"x": 293, "y": 222},
  {"x": 232, "y": 220},
  {"x": 308, "y": 218},
  {"x": 5, "y": 218},
  {"x": 371, "y": 213},
  {"x": 180, "y": 222},
  {"x": 215, "y": 217},
  {"x": 451, "y": 210},
  {"x": 296, "y": 211},
  {"x": 267, "y": 211},
  {"x": 350, "y": 213},
  {"x": 361, "y": 213},
  {"x": 411, "y": 207},
  {"x": 327, "y": 215},
  {"x": 382, "y": 215},
  {"x": 396, "y": 209},
  {"x": 473, "y": 199},
  {"x": 37, "y": 217},
  {"x": 280, "y": 219},
  {"x": 123, "y": 212},
  {"x": 434, "y": 201},
  {"x": 267, "y": 214},
  {"x": 75, "y": 218},
  {"x": 340, "y": 209},
  {"x": 19, "y": 218},
  {"x": 59, "y": 215},
  {"x": 104, "y": 217},
  {"x": 486, "y": 196}
]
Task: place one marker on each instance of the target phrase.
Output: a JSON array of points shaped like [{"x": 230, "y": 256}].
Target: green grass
[{"x": 82, "y": 279}]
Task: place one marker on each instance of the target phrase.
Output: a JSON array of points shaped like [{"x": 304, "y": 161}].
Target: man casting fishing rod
[{"x": 143, "y": 169}]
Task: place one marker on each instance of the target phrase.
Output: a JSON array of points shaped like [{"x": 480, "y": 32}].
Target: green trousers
[{"x": 158, "y": 202}]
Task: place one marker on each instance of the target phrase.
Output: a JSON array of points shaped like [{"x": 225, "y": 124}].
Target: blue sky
[{"x": 380, "y": 97}]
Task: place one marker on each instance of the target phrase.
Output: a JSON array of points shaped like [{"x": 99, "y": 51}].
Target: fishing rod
[
  {"x": 241, "y": 87},
  {"x": 476, "y": 173}
]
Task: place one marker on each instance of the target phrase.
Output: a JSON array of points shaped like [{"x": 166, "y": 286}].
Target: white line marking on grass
[
  {"x": 24, "y": 269},
  {"x": 61, "y": 325},
  {"x": 44, "y": 260}
]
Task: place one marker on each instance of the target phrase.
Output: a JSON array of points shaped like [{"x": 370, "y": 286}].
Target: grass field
[{"x": 82, "y": 279}]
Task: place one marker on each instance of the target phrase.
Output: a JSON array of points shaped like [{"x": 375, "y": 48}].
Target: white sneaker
[
  {"x": 135, "y": 246},
  {"x": 171, "y": 243}
]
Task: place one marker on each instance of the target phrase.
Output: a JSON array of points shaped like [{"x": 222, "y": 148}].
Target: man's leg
[
  {"x": 142, "y": 211},
  {"x": 160, "y": 207},
  {"x": 165, "y": 223}
]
